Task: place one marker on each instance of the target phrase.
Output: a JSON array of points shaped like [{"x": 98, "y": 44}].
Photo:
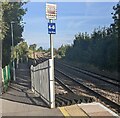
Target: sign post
[{"x": 51, "y": 15}]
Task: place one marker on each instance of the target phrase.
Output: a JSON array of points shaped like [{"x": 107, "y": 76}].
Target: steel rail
[
  {"x": 64, "y": 86},
  {"x": 96, "y": 76},
  {"x": 97, "y": 95}
]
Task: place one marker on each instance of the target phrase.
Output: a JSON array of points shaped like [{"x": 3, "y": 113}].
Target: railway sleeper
[
  {"x": 60, "y": 102},
  {"x": 71, "y": 101},
  {"x": 77, "y": 101},
  {"x": 82, "y": 98},
  {"x": 70, "y": 98},
  {"x": 56, "y": 104},
  {"x": 67, "y": 102}
]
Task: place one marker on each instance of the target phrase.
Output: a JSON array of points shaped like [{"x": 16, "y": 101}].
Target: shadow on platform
[{"x": 20, "y": 91}]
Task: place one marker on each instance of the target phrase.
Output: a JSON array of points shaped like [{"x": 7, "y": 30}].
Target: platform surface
[
  {"x": 19, "y": 100},
  {"x": 88, "y": 110},
  {"x": 10, "y": 108},
  {"x": 97, "y": 109}
]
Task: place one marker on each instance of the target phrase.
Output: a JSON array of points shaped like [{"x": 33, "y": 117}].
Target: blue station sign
[{"x": 51, "y": 28}]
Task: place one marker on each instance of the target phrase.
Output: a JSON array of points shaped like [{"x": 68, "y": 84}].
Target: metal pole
[
  {"x": 14, "y": 77},
  {"x": 1, "y": 13},
  {"x": 17, "y": 58},
  {"x": 1, "y": 66},
  {"x": 51, "y": 43},
  {"x": 52, "y": 86}
]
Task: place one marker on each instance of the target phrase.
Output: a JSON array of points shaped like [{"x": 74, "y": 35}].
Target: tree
[
  {"x": 62, "y": 50},
  {"x": 32, "y": 50},
  {"x": 116, "y": 29},
  {"x": 12, "y": 11},
  {"x": 101, "y": 48},
  {"x": 20, "y": 52},
  {"x": 40, "y": 49},
  {"x": 33, "y": 47},
  {"x": 98, "y": 49}
]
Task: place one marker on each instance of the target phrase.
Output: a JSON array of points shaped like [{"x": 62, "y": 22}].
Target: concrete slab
[
  {"x": 0, "y": 108},
  {"x": 97, "y": 109},
  {"x": 10, "y": 108},
  {"x": 100, "y": 114},
  {"x": 74, "y": 110},
  {"x": 91, "y": 108}
]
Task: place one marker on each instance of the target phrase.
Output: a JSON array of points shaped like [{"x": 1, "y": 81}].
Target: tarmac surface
[{"x": 19, "y": 100}]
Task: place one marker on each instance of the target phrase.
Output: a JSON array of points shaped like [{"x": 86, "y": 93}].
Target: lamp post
[{"x": 13, "y": 63}]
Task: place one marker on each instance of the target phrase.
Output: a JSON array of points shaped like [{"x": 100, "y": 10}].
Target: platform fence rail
[
  {"x": 6, "y": 77},
  {"x": 41, "y": 83}
]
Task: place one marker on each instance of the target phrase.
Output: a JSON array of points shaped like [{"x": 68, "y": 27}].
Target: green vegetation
[
  {"x": 33, "y": 47},
  {"x": 11, "y": 11},
  {"x": 21, "y": 51},
  {"x": 99, "y": 48},
  {"x": 62, "y": 50},
  {"x": 40, "y": 49}
]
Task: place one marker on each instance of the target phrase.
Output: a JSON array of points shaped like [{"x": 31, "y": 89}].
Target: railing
[
  {"x": 42, "y": 83},
  {"x": 6, "y": 77}
]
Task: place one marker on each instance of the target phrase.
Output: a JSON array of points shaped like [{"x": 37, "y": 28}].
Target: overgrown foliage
[
  {"x": 12, "y": 11},
  {"x": 62, "y": 50},
  {"x": 33, "y": 47},
  {"x": 21, "y": 50},
  {"x": 99, "y": 48}
]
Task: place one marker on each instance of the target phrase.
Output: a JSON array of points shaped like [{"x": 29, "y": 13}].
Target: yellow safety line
[{"x": 64, "y": 112}]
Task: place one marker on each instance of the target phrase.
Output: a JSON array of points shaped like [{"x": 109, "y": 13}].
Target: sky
[{"x": 72, "y": 18}]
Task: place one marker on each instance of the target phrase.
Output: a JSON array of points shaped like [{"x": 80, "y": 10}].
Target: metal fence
[
  {"x": 6, "y": 77},
  {"x": 41, "y": 82}
]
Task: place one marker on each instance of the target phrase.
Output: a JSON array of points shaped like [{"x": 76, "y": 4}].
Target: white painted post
[
  {"x": 31, "y": 68},
  {"x": 52, "y": 89},
  {"x": 51, "y": 15},
  {"x": 52, "y": 86}
]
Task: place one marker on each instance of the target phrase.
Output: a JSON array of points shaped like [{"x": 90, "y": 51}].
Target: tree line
[
  {"x": 11, "y": 11},
  {"x": 100, "y": 48}
]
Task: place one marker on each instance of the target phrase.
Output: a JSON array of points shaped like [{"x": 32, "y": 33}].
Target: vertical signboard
[
  {"x": 51, "y": 11},
  {"x": 51, "y": 28}
]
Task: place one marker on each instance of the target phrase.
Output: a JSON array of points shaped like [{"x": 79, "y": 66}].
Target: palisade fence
[
  {"x": 42, "y": 83},
  {"x": 6, "y": 77}
]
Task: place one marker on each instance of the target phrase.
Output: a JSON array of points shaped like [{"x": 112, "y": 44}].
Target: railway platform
[
  {"x": 89, "y": 110},
  {"x": 19, "y": 100}
]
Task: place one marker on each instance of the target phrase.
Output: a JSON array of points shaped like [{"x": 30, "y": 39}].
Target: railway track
[
  {"x": 72, "y": 93},
  {"x": 106, "y": 79},
  {"x": 69, "y": 98},
  {"x": 103, "y": 99},
  {"x": 108, "y": 90}
]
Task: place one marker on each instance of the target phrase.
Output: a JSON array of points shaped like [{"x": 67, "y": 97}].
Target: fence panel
[
  {"x": 40, "y": 80},
  {"x": 6, "y": 77}
]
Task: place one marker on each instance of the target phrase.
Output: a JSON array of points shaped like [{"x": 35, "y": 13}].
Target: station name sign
[{"x": 51, "y": 11}]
